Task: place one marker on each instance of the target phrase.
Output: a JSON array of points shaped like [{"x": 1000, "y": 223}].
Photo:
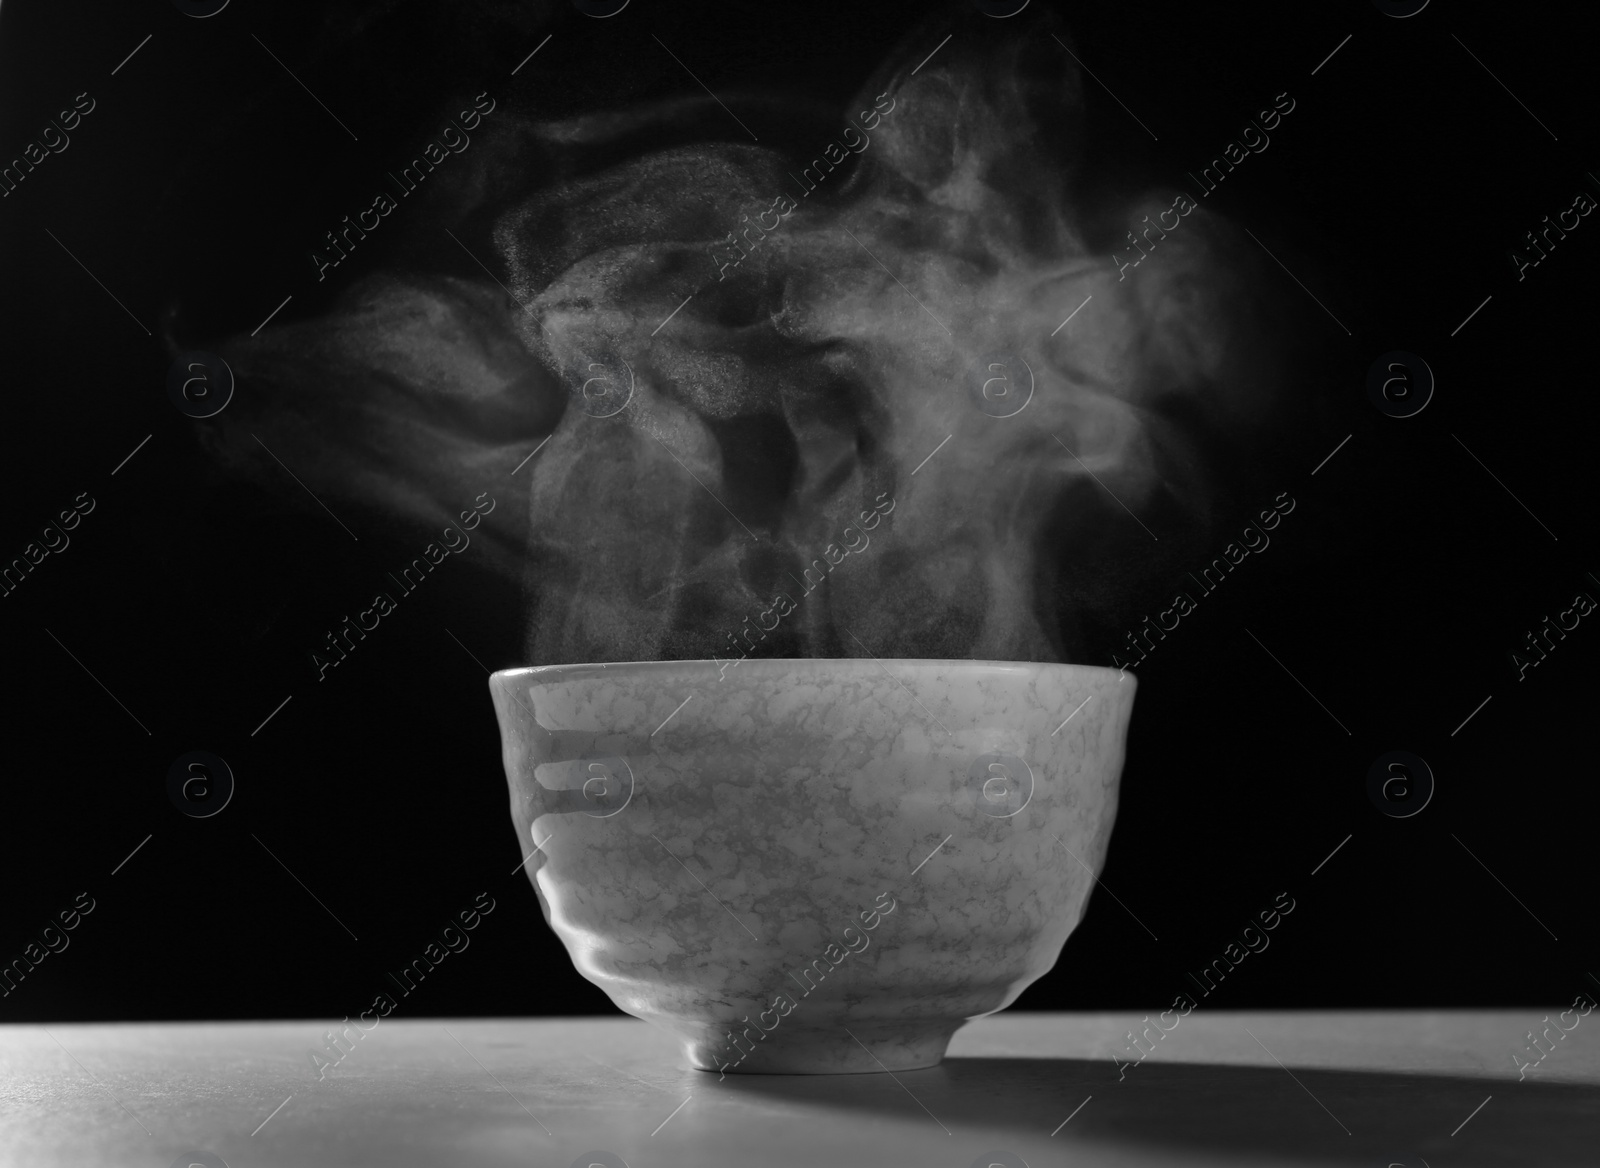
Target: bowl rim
[{"x": 771, "y": 664}]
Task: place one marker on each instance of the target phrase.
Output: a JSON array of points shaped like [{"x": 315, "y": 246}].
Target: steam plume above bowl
[{"x": 743, "y": 356}]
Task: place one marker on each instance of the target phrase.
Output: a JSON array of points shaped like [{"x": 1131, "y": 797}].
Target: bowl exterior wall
[{"x": 813, "y": 865}]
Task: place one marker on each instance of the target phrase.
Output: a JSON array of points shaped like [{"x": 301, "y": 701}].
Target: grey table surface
[{"x": 1373, "y": 1088}]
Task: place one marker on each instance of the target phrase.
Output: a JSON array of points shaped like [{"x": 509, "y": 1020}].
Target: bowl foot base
[{"x": 854, "y": 1048}]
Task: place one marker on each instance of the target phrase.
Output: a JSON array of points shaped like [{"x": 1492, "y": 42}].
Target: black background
[{"x": 1394, "y": 592}]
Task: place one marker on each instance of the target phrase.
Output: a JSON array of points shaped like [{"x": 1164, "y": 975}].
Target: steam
[{"x": 826, "y": 380}]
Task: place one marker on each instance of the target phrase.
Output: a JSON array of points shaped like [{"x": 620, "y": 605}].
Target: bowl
[{"x": 813, "y": 866}]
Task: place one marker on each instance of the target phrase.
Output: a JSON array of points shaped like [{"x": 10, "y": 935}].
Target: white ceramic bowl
[{"x": 813, "y": 866}]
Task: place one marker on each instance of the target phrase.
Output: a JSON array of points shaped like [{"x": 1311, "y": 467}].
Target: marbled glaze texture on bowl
[{"x": 703, "y": 866}]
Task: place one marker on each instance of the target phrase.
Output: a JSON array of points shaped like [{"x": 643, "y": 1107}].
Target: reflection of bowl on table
[{"x": 813, "y": 866}]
